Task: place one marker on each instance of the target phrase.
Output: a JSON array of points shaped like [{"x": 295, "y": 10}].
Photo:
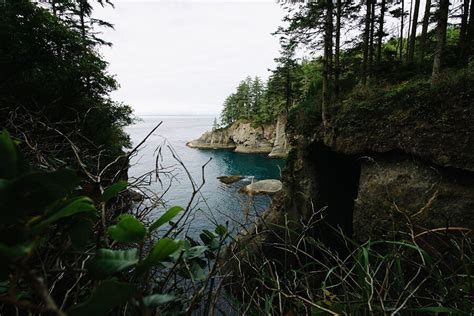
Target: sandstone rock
[
  {"x": 270, "y": 186},
  {"x": 218, "y": 139},
  {"x": 245, "y": 138}
]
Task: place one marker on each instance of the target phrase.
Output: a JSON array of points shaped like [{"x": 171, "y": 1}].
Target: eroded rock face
[
  {"x": 396, "y": 193},
  {"x": 416, "y": 166},
  {"x": 245, "y": 138},
  {"x": 251, "y": 139},
  {"x": 280, "y": 145},
  {"x": 376, "y": 196},
  {"x": 218, "y": 139}
]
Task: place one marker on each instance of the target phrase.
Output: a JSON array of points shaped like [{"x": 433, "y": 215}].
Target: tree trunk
[
  {"x": 287, "y": 89},
  {"x": 365, "y": 57},
  {"x": 81, "y": 19},
  {"x": 402, "y": 22},
  {"x": 442, "y": 18},
  {"x": 327, "y": 69},
  {"x": 462, "y": 44},
  {"x": 337, "y": 65},
  {"x": 411, "y": 46},
  {"x": 470, "y": 33},
  {"x": 380, "y": 32},
  {"x": 371, "y": 40},
  {"x": 409, "y": 27},
  {"x": 424, "y": 30}
]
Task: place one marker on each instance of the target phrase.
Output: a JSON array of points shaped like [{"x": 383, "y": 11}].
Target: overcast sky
[{"x": 185, "y": 57}]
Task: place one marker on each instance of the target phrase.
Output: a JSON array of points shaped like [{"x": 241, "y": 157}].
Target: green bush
[{"x": 44, "y": 217}]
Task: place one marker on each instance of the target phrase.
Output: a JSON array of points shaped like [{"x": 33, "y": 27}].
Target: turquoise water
[{"x": 216, "y": 203}]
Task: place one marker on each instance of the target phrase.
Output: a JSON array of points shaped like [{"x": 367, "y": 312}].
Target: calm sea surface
[{"x": 216, "y": 203}]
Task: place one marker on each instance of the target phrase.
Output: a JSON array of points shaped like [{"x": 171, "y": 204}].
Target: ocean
[{"x": 216, "y": 203}]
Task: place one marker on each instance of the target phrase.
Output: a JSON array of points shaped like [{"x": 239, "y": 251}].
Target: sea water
[{"x": 216, "y": 203}]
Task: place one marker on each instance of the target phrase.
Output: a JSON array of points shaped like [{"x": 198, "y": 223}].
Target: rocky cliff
[
  {"x": 242, "y": 137},
  {"x": 403, "y": 165}
]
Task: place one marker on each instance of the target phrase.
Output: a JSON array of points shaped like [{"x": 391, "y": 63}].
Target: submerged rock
[
  {"x": 270, "y": 186},
  {"x": 230, "y": 179}
]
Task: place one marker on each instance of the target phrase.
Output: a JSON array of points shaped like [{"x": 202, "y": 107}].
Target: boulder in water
[
  {"x": 269, "y": 186},
  {"x": 230, "y": 179}
]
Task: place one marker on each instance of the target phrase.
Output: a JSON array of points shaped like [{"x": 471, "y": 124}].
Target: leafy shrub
[{"x": 44, "y": 218}]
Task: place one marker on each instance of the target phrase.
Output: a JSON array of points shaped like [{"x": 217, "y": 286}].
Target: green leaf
[
  {"x": 75, "y": 206},
  {"x": 210, "y": 239},
  {"x": 197, "y": 270},
  {"x": 107, "y": 262},
  {"x": 8, "y": 157},
  {"x": 161, "y": 250},
  {"x": 158, "y": 299},
  {"x": 166, "y": 217},
  {"x": 114, "y": 189},
  {"x": 107, "y": 295},
  {"x": 220, "y": 230},
  {"x": 195, "y": 252},
  {"x": 128, "y": 229}
]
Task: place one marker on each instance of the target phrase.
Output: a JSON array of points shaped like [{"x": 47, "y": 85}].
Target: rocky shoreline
[{"x": 242, "y": 137}]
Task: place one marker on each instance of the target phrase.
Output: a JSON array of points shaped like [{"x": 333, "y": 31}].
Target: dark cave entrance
[{"x": 337, "y": 185}]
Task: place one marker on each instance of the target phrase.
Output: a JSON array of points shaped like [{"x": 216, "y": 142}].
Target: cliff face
[
  {"x": 386, "y": 171},
  {"x": 243, "y": 137}
]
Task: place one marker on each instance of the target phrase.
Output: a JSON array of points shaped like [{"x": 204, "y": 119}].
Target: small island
[{"x": 249, "y": 123}]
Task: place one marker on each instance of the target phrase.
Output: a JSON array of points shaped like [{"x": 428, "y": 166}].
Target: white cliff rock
[{"x": 245, "y": 138}]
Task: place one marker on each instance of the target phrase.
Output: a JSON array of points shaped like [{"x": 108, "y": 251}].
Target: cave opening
[{"x": 337, "y": 185}]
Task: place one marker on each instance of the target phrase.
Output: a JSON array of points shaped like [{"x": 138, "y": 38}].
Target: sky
[{"x": 177, "y": 57}]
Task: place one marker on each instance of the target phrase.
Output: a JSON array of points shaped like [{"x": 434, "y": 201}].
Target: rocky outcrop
[
  {"x": 244, "y": 138},
  {"x": 270, "y": 186},
  {"x": 249, "y": 139},
  {"x": 280, "y": 145},
  {"x": 217, "y": 139},
  {"x": 386, "y": 171},
  {"x": 230, "y": 179}
]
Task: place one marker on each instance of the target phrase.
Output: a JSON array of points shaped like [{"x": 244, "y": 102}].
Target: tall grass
[{"x": 283, "y": 270}]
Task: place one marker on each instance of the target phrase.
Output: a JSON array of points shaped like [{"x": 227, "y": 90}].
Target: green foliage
[
  {"x": 248, "y": 102},
  {"x": 107, "y": 262},
  {"x": 51, "y": 73},
  {"x": 166, "y": 217},
  {"x": 428, "y": 274},
  {"x": 9, "y": 165},
  {"x": 128, "y": 229},
  {"x": 156, "y": 300},
  {"x": 31, "y": 201},
  {"x": 38, "y": 204},
  {"x": 74, "y": 206},
  {"x": 114, "y": 189},
  {"x": 163, "y": 248}
]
